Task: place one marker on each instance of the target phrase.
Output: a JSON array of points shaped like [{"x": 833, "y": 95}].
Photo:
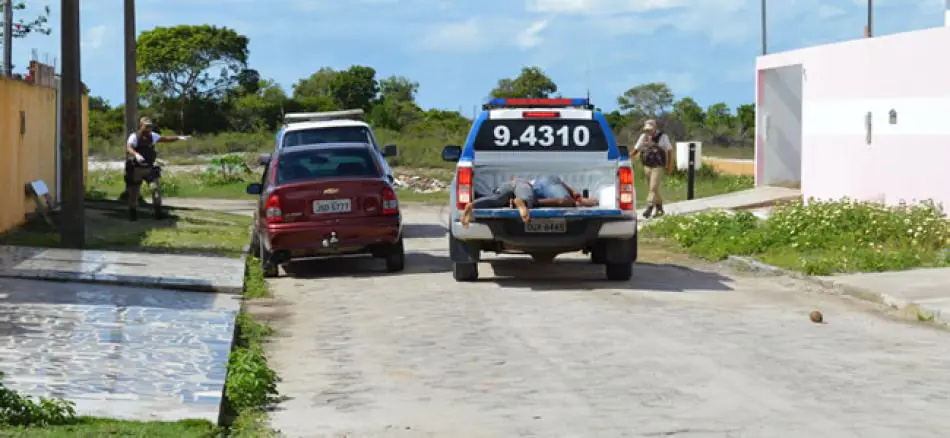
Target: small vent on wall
[
  {"x": 867, "y": 127},
  {"x": 22, "y": 122},
  {"x": 892, "y": 117}
]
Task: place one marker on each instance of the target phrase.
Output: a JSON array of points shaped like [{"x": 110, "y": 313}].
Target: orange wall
[{"x": 31, "y": 155}]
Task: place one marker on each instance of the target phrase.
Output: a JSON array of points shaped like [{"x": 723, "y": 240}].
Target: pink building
[{"x": 868, "y": 119}]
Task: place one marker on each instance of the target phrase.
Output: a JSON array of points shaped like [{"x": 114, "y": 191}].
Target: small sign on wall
[{"x": 892, "y": 116}]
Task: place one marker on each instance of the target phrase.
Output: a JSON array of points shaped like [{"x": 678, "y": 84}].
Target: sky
[{"x": 457, "y": 50}]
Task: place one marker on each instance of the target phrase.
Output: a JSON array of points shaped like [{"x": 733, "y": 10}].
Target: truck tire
[
  {"x": 465, "y": 272},
  {"x": 619, "y": 271}
]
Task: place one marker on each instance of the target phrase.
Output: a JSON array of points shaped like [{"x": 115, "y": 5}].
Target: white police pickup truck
[
  {"x": 346, "y": 126},
  {"x": 531, "y": 138}
]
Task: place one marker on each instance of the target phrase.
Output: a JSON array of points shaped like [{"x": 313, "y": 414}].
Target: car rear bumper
[
  {"x": 587, "y": 230},
  {"x": 303, "y": 239}
]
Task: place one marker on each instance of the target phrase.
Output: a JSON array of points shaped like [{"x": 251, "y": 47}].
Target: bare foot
[
  {"x": 523, "y": 210},
  {"x": 467, "y": 216}
]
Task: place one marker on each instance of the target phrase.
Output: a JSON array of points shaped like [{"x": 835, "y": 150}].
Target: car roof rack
[
  {"x": 351, "y": 114},
  {"x": 556, "y": 102}
]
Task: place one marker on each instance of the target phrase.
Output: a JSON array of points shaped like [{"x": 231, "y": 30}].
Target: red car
[{"x": 326, "y": 201}]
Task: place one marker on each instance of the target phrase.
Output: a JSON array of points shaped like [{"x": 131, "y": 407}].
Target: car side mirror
[
  {"x": 254, "y": 189},
  {"x": 392, "y": 179},
  {"x": 390, "y": 150},
  {"x": 263, "y": 159},
  {"x": 451, "y": 153},
  {"x": 624, "y": 151}
]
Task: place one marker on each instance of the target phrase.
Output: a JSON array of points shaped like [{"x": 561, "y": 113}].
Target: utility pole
[
  {"x": 870, "y": 18},
  {"x": 131, "y": 77},
  {"x": 73, "y": 225},
  {"x": 764, "y": 48},
  {"x": 8, "y": 38}
]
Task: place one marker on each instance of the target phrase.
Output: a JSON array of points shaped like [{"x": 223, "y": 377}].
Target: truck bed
[{"x": 549, "y": 213}]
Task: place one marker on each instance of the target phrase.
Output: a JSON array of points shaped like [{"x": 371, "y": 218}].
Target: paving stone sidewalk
[
  {"x": 117, "y": 352},
  {"x": 180, "y": 272}
]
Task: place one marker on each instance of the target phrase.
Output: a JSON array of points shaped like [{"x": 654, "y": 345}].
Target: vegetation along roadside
[{"x": 819, "y": 238}]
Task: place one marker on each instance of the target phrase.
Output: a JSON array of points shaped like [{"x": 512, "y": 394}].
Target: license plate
[
  {"x": 331, "y": 206},
  {"x": 546, "y": 226}
]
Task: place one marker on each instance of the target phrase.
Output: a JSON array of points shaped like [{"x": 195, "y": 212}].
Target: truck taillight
[
  {"x": 625, "y": 193},
  {"x": 390, "y": 203},
  {"x": 463, "y": 187},
  {"x": 272, "y": 212}
]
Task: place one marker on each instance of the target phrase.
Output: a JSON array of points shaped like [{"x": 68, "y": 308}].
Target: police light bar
[
  {"x": 506, "y": 102},
  {"x": 353, "y": 114}
]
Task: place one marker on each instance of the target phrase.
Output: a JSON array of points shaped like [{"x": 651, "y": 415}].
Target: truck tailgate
[{"x": 549, "y": 213}]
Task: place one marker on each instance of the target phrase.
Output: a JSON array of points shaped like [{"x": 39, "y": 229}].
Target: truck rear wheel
[
  {"x": 465, "y": 272},
  {"x": 619, "y": 271}
]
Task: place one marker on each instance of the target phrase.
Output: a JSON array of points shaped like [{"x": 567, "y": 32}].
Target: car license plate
[
  {"x": 546, "y": 226},
  {"x": 331, "y": 206}
]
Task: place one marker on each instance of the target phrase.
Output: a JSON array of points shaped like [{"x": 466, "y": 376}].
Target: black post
[
  {"x": 691, "y": 172},
  {"x": 73, "y": 225}
]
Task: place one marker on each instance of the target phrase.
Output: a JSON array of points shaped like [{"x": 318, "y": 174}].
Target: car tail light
[
  {"x": 390, "y": 203},
  {"x": 625, "y": 193},
  {"x": 540, "y": 114},
  {"x": 463, "y": 187},
  {"x": 272, "y": 211}
]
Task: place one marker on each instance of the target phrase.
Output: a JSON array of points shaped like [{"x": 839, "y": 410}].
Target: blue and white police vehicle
[{"x": 527, "y": 139}]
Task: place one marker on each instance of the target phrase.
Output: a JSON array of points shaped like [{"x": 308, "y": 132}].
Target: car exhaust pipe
[{"x": 331, "y": 241}]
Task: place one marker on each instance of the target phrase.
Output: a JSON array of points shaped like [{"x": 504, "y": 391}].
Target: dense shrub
[{"x": 820, "y": 237}]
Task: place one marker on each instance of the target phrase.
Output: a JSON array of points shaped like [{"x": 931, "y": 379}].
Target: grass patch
[
  {"x": 99, "y": 427},
  {"x": 251, "y": 385},
  {"x": 708, "y": 183},
  {"x": 819, "y": 238},
  {"x": 184, "y": 231},
  {"x": 108, "y": 184}
]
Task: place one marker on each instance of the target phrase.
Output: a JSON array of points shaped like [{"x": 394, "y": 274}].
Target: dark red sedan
[{"x": 326, "y": 201}]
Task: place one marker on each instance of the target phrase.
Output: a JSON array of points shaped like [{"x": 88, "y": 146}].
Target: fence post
[{"x": 691, "y": 172}]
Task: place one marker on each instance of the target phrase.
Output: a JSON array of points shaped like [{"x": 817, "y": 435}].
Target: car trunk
[{"x": 332, "y": 199}]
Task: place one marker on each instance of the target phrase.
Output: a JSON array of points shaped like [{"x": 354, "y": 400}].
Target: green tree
[
  {"x": 746, "y": 117},
  {"x": 398, "y": 88},
  {"x": 720, "y": 123},
  {"x": 647, "y": 100},
  {"x": 261, "y": 110},
  {"x": 104, "y": 120},
  {"x": 532, "y": 82},
  {"x": 190, "y": 62},
  {"x": 355, "y": 87},
  {"x": 689, "y": 112},
  {"x": 22, "y": 28}
]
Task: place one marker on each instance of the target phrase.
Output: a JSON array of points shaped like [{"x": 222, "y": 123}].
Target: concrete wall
[
  {"x": 31, "y": 154},
  {"x": 728, "y": 166},
  {"x": 907, "y": 160},
  {"x": 780, "y": 114}
]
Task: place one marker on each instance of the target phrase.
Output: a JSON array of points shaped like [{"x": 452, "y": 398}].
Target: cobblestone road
[{"x": 682, "y": 350}]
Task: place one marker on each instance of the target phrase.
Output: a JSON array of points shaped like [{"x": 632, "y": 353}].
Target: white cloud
[
  {"x": 460, "y": 36},
  {"x": 94, "y": 37},
  {"x": 531, "y": 36}
]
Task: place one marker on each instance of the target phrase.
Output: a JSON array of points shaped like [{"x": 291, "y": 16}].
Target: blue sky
[{"x": 457, "y": 50}]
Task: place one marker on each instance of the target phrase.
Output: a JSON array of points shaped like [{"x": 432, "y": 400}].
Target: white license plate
[
  {"x": 332, "y": 206},
  {"x": 546, "y": 226}
]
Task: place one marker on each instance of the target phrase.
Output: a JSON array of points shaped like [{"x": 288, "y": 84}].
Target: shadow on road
[
  {"x": 582, "y": 275},
  {"x": 423, "y": 231},
  {"x": 416, "y": 263}
]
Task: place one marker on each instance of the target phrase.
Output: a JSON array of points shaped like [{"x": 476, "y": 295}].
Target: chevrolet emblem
[{"x": 331, "y": 191}]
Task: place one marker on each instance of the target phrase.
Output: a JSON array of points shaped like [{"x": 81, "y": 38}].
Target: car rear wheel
[
  {"x": 465, "y": 271},
  {"x": 396, "y": 259},
  {"x": 271, "y": 270},
  {"x": 619, "y": 271}
]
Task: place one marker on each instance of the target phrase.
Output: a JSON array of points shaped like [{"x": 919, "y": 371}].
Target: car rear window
[
  {"x": 528, "y": 135},
  {"x": 338, "y": 134},
  {"x": 326, "y": 163}
]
